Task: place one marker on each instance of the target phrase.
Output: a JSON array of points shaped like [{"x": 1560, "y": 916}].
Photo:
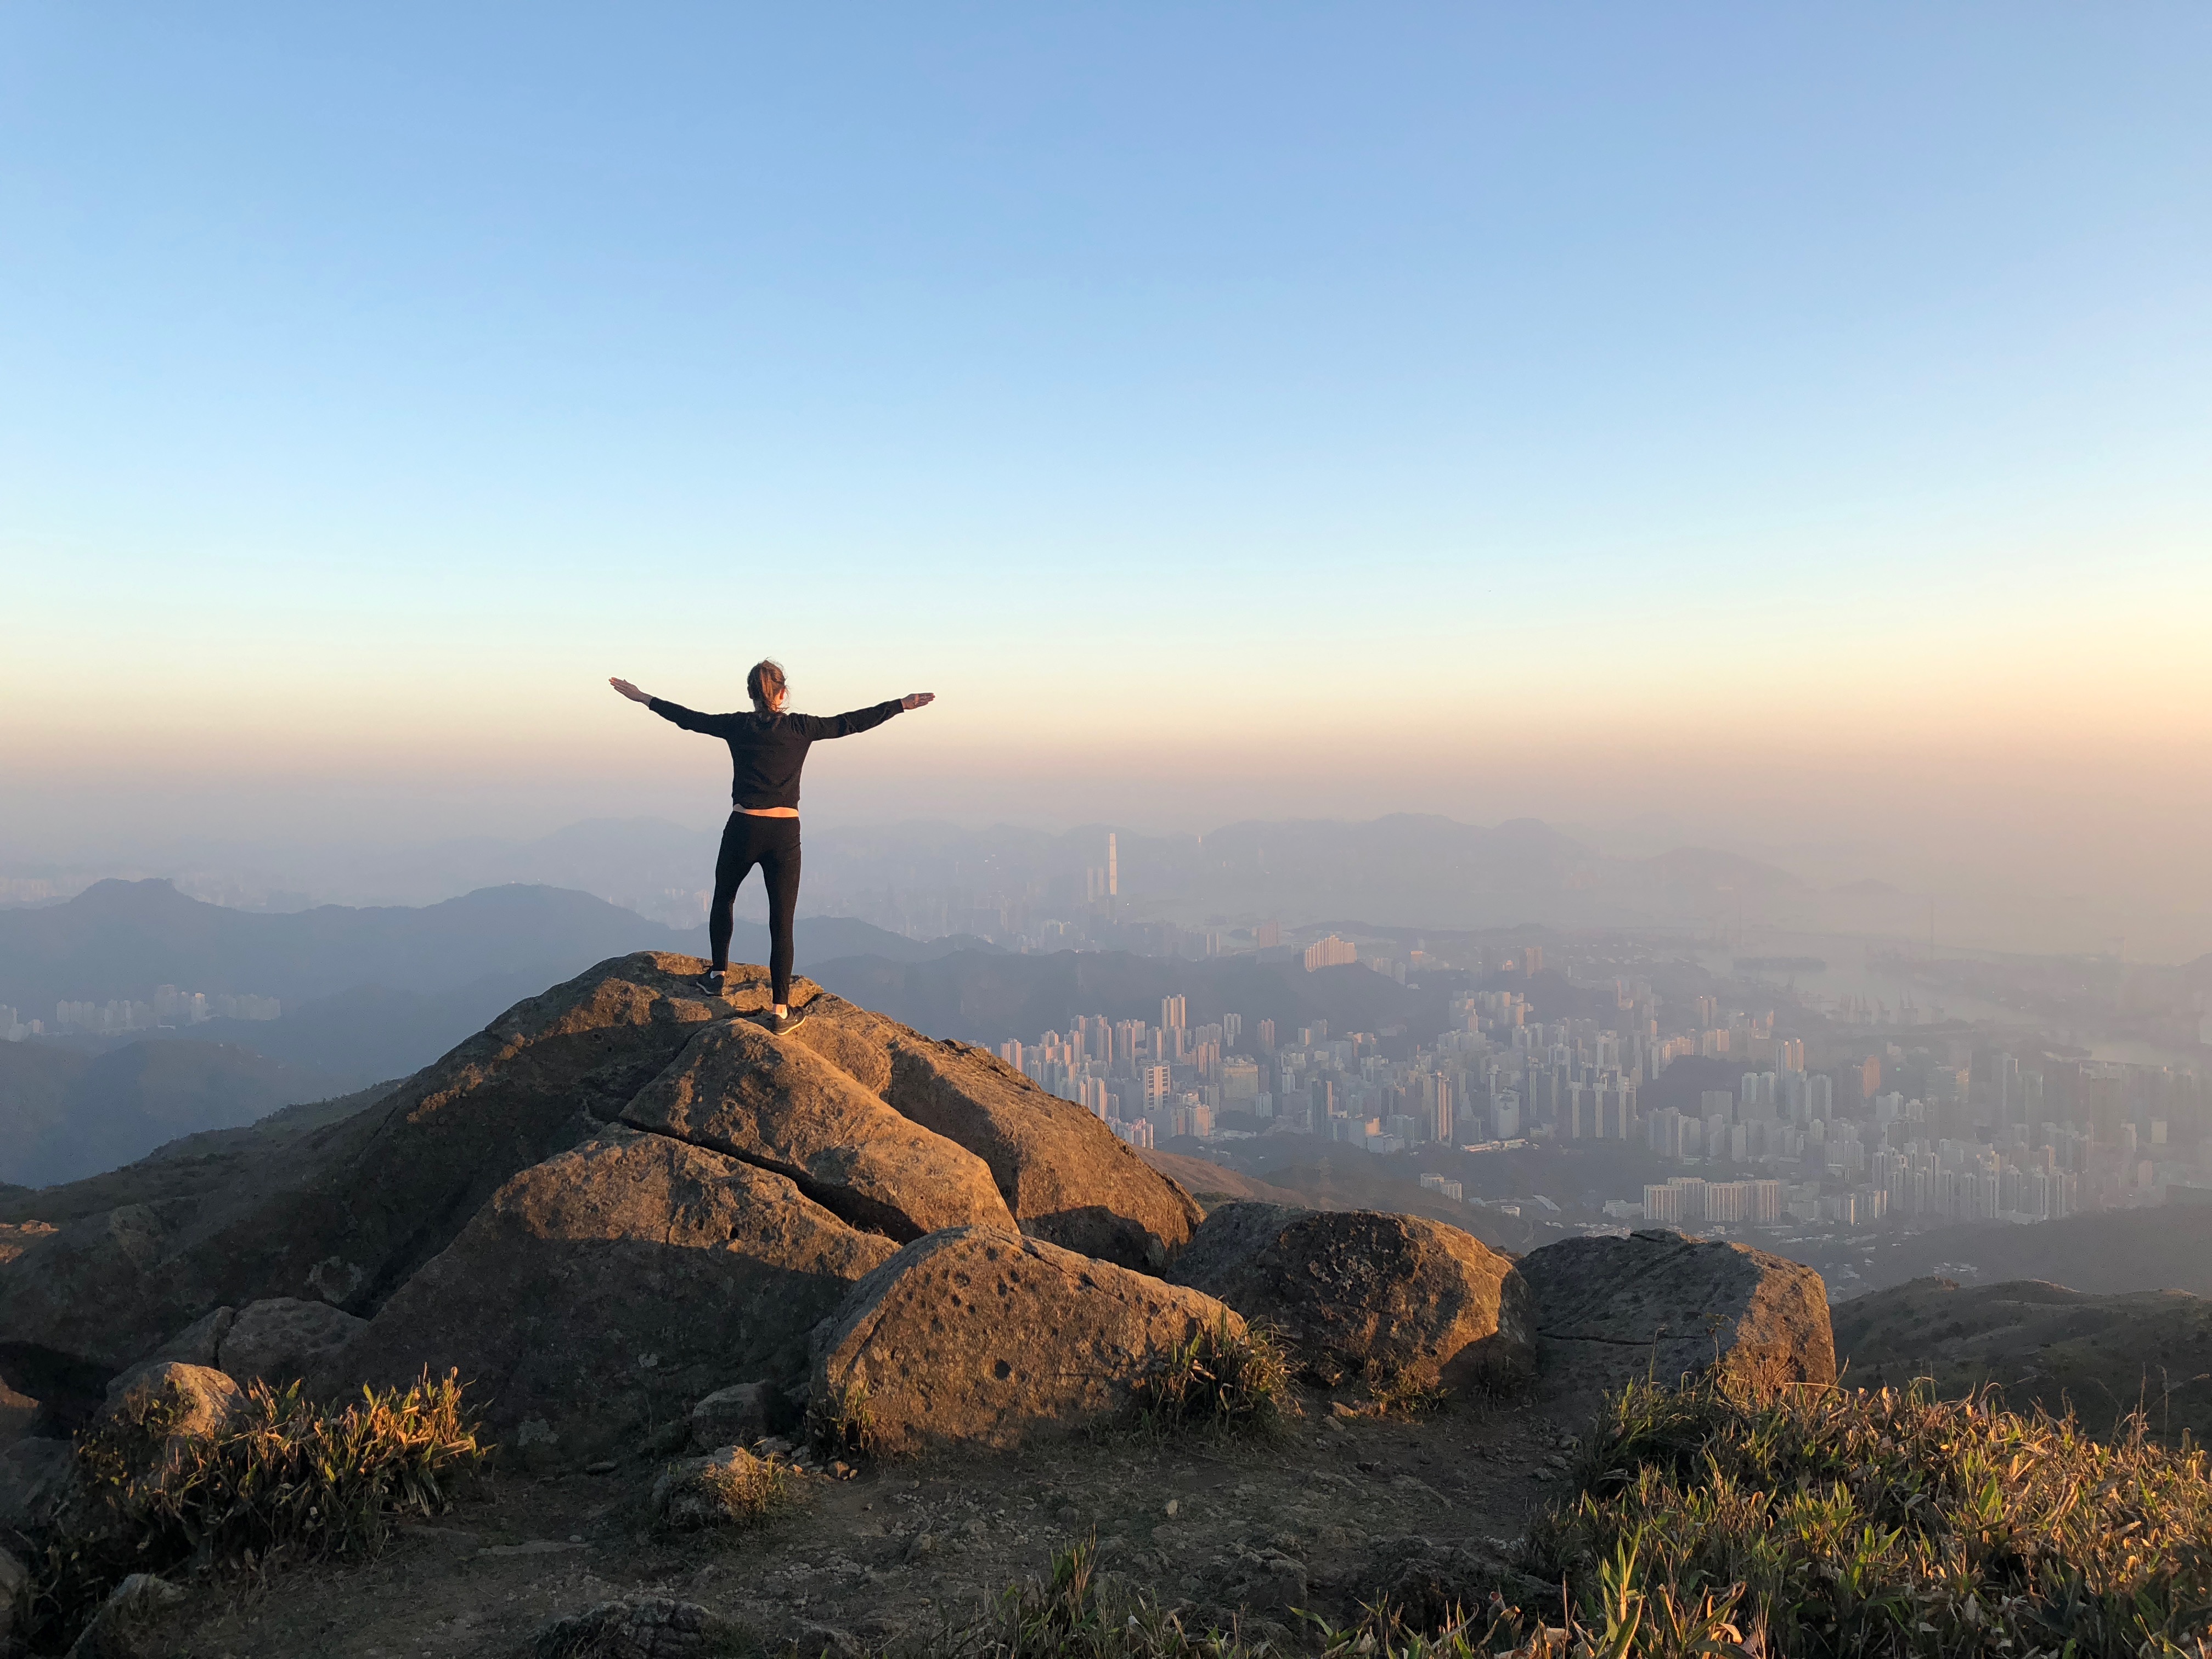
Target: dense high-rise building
[{"x": 1331, "y": 952}]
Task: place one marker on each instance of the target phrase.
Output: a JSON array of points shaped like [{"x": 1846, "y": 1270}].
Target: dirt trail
[{"x": 1313, "y": 1519}]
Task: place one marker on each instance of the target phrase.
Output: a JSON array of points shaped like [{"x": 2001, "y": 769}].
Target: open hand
[
  {"x": 628, "y": 690},
  {"x": 915, "y": 699}
]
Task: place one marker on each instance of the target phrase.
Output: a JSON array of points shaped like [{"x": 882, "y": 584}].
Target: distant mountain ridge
[
  {"x": 1401, "y": 870},
  {"x": 122, "y": 939}
]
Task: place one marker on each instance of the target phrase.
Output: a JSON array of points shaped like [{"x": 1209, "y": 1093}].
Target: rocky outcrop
[
  {"x": 283, "y": 1339},
  {"x": 612, "y": 1285},
  {"x": 1065, "y": 1176},
  {"x": 1658, "y": 1304},
  {"x": 983, "y": 1337},
  {"x": 855, "y": 1040},
  {"x": 736, "y": 1089},
  {"x": 508, "y": 1098},
  {"x": 344, "y": 1215},
  {"x": 1362, "y": 1293}
]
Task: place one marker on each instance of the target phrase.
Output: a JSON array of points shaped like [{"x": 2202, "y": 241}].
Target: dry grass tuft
[
  {"x": 1216, "y": 1379},
  {"x": 731, "y": 1488},
  {"x": 1853, "y": 1522},
  {"x": 283, "y": 1475}
]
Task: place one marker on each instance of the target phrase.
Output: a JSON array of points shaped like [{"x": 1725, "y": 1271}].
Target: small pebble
[{"x": 1174, "y": 1504}]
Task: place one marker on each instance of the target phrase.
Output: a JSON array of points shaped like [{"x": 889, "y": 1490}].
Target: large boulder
[
  {"x": 736, "y": 1089},
  {"x": 284, "y": 1339},
  {"x": 1660, "y": 1304},
  {"x": 1067, "y": 1178},
  {"x": 155, "y": 1426},
  {"x": 1363, "y": 1293},
  {"x": 345, "y": 1214},
  {"x": 199, "y": 1343},
  {"x": 979, "y": 1336},
  {"x": 605, "y": 1290}
]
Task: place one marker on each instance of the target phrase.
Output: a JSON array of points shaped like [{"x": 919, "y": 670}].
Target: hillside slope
[
  {"x": 2042, "y": 1344},
  {"x": 64, "y": 1115}
]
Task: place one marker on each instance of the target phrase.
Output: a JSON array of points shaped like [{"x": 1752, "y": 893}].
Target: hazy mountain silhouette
[
  {"x": 1406, "y": 870},
  {"x": 121, "y": 938}
]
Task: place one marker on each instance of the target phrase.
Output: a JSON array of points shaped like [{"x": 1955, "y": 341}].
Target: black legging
[{"x": 773, "y": 844}]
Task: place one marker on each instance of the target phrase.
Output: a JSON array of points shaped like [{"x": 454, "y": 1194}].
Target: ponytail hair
[{"x": 764, "y": 685}]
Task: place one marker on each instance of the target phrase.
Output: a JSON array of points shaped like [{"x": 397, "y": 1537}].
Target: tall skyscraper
[{"x": 1113, "y": 868}]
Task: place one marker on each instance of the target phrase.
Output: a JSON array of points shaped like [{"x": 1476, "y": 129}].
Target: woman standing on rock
[{"x": 767, "y": 747}]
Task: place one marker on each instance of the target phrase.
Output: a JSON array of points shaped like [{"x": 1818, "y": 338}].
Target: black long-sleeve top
[{"x": 768, "y": 751}]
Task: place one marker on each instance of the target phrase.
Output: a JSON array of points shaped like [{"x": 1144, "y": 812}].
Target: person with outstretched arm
[{"x": 767, "y": 747}]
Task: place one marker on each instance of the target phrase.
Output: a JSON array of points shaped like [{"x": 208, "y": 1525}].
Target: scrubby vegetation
[
  {"x": 1070, "y": 1615},
  {"x": 1853, "y": 1522},
  {"x": 283, "y": 1477},
  {"x": 1814, "y": 1522},
  {"x": 1218, "y": 1379},
  {"x": 1404, "y": 1394},
  {"x": 736, "y": 1489},
  {"x": 842, "y": 1426}
]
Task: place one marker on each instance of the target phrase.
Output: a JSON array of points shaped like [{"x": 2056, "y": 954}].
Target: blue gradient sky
[{"x": 1230, "y": 410}]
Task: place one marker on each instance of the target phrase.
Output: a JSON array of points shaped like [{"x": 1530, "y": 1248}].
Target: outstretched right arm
[{"x": 677, "y": 712}]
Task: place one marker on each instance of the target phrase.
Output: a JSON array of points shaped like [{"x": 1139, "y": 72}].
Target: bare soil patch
[{"x": 1320, "y": 1517}]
